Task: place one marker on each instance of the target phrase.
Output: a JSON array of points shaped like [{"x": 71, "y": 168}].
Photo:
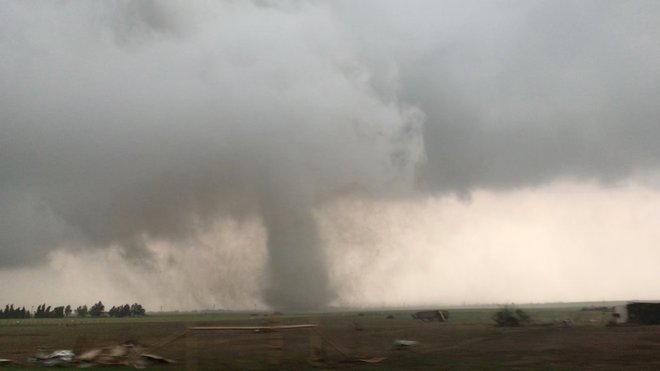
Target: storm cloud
[
  {"x": 126, "y": 123},
  {"x": 135, "y": 125},
  {"x": 524, "y": 93}
]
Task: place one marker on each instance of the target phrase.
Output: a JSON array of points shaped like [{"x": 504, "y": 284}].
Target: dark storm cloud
[
  {"x": 527, "y": 92},
  {"x": 134, "y": 121},
  {"x": 519, "y": 93},
  {"x": 130, "y": 122}
]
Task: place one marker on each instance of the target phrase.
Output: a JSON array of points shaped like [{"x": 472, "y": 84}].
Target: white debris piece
[
  {"x": 401, "y": 343},
  {"x": 56, "y": 358}
]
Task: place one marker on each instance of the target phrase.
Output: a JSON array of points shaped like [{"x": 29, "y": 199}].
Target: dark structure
[
  {"x": 644, "y": 313},
  {"x": 431, "y": 315}
]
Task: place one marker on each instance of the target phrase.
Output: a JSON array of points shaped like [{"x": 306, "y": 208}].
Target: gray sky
[{"x": 305, "y": 154}]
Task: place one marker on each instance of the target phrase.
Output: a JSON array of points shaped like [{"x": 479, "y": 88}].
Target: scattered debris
[
  {"x": 117, "y": 355},
  {"x": 263, "y": 330},
  {"x": 124, "y": 354},
  {"x": 404, "y": 344},
  {"x": 431, "y": 315},
  {"x": 152, "y": 359},
  {"x": 6, "y": 362},
  {"x": 511, "y": 317},
  {"x": 372, "y": 360},
  {"x": 57, "y": 358}
]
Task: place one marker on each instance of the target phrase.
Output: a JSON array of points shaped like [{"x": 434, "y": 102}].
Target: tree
[
  {"x": 82, "y": 311},
  {"x": 125, "y": 310},
  {"x": 67, "y": 311},
  {"x": 58, "y": 312},
  {"x": 137, "y": 310},
  {"x": 97, "y": 309},
  {"x": 41, "y": 311},
  {"x": 11, "y": 312}
]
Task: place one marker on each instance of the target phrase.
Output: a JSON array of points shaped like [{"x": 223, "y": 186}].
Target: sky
[{"x": 300, "y": 155}]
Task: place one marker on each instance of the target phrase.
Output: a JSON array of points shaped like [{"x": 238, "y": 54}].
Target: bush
[{"x": 510, "y": 317}]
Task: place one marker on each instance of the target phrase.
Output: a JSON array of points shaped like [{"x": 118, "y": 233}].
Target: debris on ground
[
  {"x": 372, "y": 360},
  {"x": 147, "y": 360},
  {"x": 509, "y": 316},
  {"x": 404, "y": 344},
  {"x": 118, "y": 355},
  {"x": 6, "y": 362},
  {"x": 152, "y": 358},
  {"x": 61, "y": 357},
  {"x": 431, "y": 315}
]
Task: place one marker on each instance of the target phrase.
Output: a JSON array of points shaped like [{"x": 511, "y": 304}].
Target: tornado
[{"x": 297, "y": 273}]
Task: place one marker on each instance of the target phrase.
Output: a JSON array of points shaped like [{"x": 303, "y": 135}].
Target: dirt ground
[{"x": 467, "y": 341}]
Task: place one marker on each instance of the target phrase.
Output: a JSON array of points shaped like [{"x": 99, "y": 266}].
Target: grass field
[{"x": 564, "y": 338}]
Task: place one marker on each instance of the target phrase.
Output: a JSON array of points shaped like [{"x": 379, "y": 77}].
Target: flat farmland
[{"x": 559, "y": 339}]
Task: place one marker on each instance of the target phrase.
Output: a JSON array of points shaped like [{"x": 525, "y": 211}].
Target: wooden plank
[{"x": 249, "y": 328}]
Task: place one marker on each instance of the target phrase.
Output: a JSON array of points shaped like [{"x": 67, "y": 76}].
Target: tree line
[
  {"x": 11, "y": 312},
  {"x": 96, "y": 310}
]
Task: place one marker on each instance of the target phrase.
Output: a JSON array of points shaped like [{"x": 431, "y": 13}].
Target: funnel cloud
[{"x": 127, "y": 124}]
